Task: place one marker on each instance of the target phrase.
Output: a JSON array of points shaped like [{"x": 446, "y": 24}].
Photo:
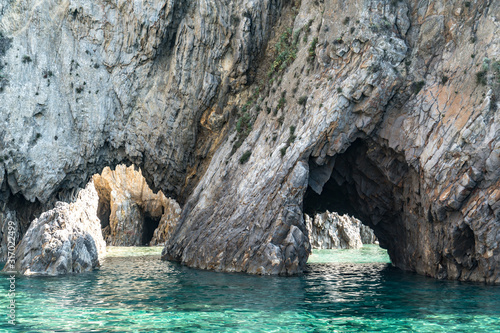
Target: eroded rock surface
[
  {"x": 128, "y": 208},
  {"x": 66, "y": 239},
  {"x": 392, "y": 104},
  {"x": 388, "y": 107},
  {"x": 334, "y": 231}
]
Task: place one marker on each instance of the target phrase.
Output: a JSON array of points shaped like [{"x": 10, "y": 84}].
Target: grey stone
[
  {"x": 333, "y": 231},
  {"x": 66, "y": 239},
  {"x": 170, "y": 80}
]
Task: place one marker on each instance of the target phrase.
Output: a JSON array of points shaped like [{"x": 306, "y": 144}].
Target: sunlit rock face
[
  {"x": 66, "y": 239},
  {"x": 395, "y": 107},
  {"x": 130, "y": 212},
  {"x": 393, "y": 104},
  {"x": 334, "y": 231}
]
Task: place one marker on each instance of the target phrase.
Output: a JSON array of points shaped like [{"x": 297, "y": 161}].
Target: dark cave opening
[
  {"x": 26, "y": 211},
  {"x": 333, "y": 198},
  {"x": 366, "y": 181},
  {"x": 148, "y": 229},
  {"x": 103, "y": 212}
]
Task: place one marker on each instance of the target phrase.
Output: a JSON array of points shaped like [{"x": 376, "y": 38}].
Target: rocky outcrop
[
  {"x": 334, "y": 231},
  {"x": 385, "y": 104},
  {"x": 130, "y": 212},
  {"x": 66, "y": 239},
  {"x": 252, "y": 112},
  {"x": 168, "y": 222}
]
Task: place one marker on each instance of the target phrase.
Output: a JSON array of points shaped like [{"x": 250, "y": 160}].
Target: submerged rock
[
  {"x": 66, "y": 239},
  {"x": 333, "y": 231}
]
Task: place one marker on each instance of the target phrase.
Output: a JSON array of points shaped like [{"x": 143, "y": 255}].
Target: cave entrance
[
  {"x": 131, "y": 214},
  {"x": 367, "y": 181},
  {"x": 150, "y": 225},
  {"x": 103, "y": 212}
]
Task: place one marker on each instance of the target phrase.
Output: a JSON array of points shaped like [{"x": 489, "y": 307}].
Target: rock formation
[
  {"x": 130, "y": 212},
  {"x": 334, "y": 231},
  {"x": 251, "y": 112},
  {"x": 393, "y": 104},
  {"x": 66, "y": 239}
]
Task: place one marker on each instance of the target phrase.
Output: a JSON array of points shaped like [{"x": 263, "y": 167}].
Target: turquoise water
[{"x": 134, "y": 291}]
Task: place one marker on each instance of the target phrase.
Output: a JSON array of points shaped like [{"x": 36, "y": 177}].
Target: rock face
[
  {"x": 130, "y": 213},
  {"x": 252, "y": 112},
  {"x": 66, "y": 239},
  {"x": 333, "y": 231},
  {"x": 387, "y": 107}
]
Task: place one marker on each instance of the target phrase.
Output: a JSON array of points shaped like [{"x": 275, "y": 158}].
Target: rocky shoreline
[{"x": 251, "y": 113}]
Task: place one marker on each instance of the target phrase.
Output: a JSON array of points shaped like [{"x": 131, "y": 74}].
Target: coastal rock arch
[
  {"x": 376, "y": 184},
  {"x": 116, "y": 207}
]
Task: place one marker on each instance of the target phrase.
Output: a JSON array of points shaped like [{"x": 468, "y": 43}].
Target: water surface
[{"x": 134, "y": 291}]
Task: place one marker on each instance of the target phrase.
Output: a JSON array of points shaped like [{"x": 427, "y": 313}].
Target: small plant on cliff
[
  {"x": 282, "y": 100},
  {"x": 26, "y": 59},
  {"x": 489, "y": 67},
  {"x": 283, "y": 151},
  {"x": 302, "y": 100},
  {"x": 312, "y": 49},
  {"x": 245, "y": 157},
  {"x": 307, "y": 29},
  {"x": 292, "y": 137},
  {"x": 286, "y": 51},
  {"x": 243, "y": 128},
  {"x": 417, "y": 86},
  {"x": 244, "y": 125},
  {"x": 481, "y": 77},
  {"x": 444, "y": 79},
  {"x": 496, "y": 70}
]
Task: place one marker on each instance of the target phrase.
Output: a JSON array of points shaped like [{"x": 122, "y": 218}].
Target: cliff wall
[{"x": 250, "y": 112}]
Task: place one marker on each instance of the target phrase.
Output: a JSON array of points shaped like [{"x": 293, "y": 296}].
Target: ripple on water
[{"x": 135, "y": 291}]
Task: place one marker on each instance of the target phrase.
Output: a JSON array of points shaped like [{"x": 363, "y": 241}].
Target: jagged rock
[
  {"x": 168, "y": 222},
  {"x": 367, "y": 235},
  {"x": 66, "y": 239},
  {"x": 333, "y": 231},
  {"x": 398, "y": 125},
  {"x": 398, "y": 113},
  {"x": 128, "y": 208}
]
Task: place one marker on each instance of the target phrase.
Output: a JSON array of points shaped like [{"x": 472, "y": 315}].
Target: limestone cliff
[{"x": 252, "y": 112}]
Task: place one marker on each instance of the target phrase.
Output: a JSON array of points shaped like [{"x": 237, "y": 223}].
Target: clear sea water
[{"x": 342, "y": 291}]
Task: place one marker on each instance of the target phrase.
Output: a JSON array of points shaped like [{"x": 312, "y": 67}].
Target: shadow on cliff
[{"x": 369, "y": 182}]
